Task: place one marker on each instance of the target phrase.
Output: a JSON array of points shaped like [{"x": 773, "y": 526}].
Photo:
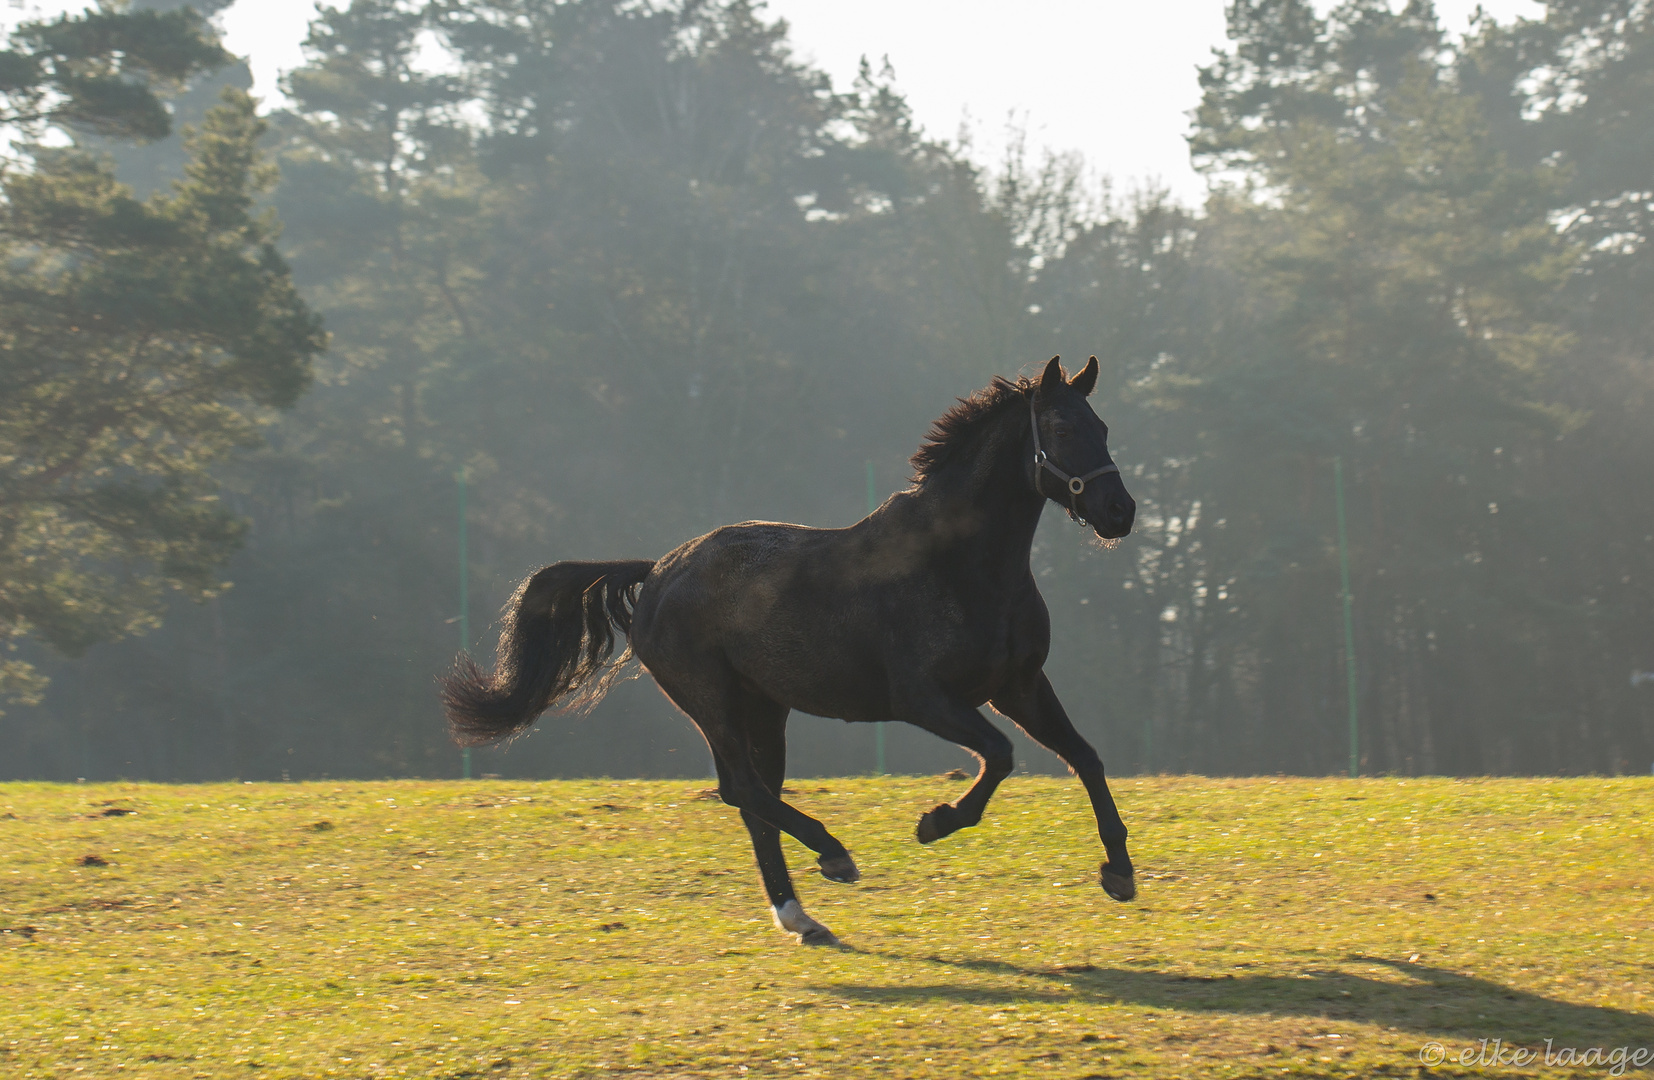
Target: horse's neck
[{"x": 982, "y": 506}]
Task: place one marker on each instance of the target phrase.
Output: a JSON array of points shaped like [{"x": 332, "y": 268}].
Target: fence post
[
  {"x": 878, "y": 728},
  {"x": 464, "y": 606},
  {"x": 1349, "y": 619}
]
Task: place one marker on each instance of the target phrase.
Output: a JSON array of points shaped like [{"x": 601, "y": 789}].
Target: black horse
[{"x": 920, "y": 612}]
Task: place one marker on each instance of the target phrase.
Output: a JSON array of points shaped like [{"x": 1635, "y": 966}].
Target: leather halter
[{"x": 1076, "y": 484}]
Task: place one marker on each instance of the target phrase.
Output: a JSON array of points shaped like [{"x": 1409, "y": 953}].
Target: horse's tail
[{"x": 554, "y": 650}]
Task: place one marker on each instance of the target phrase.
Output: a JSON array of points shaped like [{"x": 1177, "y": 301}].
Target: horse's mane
[{"x": 964, "y": 422}]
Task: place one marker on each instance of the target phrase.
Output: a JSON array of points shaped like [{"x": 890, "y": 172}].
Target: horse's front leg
[
  {"x": 1037, "y": 711},
  {"x": 965, "y": 726}
]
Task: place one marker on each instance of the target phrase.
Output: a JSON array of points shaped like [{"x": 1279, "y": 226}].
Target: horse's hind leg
[
  {"x": 1038, "y": 712},
  {"x": 766, "y": 730},
  {"x": 708, "y": 692}
]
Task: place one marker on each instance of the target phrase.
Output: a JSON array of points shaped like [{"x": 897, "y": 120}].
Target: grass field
[{"x": 567, "y": 929}]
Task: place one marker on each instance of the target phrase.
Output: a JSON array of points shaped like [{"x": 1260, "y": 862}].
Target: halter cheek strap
[{"x": 1076, "y": 484}]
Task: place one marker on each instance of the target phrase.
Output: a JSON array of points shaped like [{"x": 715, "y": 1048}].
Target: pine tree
[
  {"x": 142, "y": 343},
  {"x": 1410, "y": 286}
]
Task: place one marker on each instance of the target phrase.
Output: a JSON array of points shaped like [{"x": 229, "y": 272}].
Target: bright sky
[{"x": 1112, "y": 79}]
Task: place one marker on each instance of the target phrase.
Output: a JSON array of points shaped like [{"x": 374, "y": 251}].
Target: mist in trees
[{"x": 636, "y": 271}]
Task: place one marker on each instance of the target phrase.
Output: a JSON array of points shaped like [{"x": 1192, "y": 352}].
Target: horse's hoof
[
  {"x": 840, "y": 868},
  {"x": 820, "y": 936},
  {"x": 937, "y": 823},
  {"x": 791, "y": 918},
  {"x": 1120, "y": 887}
]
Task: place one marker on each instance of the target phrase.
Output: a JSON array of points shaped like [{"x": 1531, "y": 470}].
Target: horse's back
[
  {"x": 825, "y": 620},
  {"x": 757, "y": 574},
  {"x": 724, "y": 558},
  {"x": 771, "y": 601}
]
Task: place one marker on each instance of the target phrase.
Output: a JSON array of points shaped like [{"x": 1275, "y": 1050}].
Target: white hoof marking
[{"x": 791, "y": 918}]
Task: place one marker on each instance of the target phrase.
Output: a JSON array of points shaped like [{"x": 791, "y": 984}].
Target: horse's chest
[{"x": 971, "y": 653}]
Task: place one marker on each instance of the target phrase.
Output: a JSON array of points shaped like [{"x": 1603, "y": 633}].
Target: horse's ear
[
  {"x": 1053, "y": 376},
  {"x": 1086, "y": 380}
]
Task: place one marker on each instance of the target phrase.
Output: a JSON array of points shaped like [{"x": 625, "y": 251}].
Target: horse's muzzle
[{"x": 1117, "y": 518}]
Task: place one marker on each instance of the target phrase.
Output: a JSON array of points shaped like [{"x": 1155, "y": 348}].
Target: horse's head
[{"x": 1070, "y": 463}]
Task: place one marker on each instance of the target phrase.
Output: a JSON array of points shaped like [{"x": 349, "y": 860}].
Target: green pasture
[{"x": 1284, "y": 927}]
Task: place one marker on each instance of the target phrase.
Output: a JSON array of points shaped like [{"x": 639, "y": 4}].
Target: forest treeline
[{"x": 635, "y": 270}]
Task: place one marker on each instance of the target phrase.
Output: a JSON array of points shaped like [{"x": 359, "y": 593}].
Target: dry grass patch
[{"x": 569, "y": 929}]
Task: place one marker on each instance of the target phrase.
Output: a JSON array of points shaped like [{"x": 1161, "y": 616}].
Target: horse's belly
[{"x": 822, "y": 678}]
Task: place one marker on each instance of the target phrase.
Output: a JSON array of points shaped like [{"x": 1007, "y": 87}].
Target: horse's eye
[{"x": 1062, "y": 432}]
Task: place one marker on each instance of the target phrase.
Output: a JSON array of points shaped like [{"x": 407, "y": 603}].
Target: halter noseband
[{"x": 1076, "y": 484}]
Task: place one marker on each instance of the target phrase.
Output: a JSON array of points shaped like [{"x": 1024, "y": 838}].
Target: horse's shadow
[{"x": 1431, "y": 1001}]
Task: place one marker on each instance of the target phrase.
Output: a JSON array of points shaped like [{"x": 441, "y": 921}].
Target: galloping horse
[{"x": 921, "y": 612}]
